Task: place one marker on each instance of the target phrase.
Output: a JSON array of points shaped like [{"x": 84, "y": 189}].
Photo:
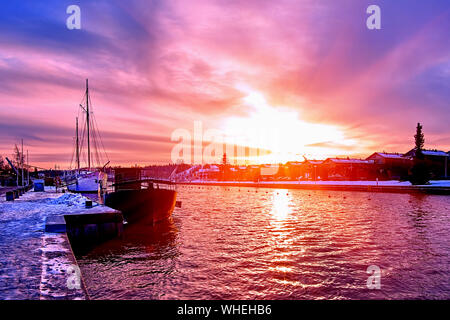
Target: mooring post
[{"x": 10, "y": 196}]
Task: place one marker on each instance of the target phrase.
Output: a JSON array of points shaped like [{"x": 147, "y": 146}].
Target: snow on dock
[
  {"x": 36, "y": 264},
  {"x": 60, "y": 275}
]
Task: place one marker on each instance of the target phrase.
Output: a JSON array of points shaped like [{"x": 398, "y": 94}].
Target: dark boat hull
[{"x": 144, "y": 205}]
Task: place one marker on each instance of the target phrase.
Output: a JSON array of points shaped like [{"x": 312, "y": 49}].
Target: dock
[{"x": 39, "y": 232}]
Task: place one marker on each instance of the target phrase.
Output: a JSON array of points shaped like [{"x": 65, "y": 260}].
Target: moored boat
[
  {"x": 87, "y": 179},
  {"x": 145, "y": 201}
]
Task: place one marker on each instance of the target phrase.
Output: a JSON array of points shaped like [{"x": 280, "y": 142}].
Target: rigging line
[
  {"x": 97, "y": 135},
  {"x": 74, "y": 143},
  {"x": 82, "y": 140},
  {"x": 91, "y": 123},
  {"x": 81, "y": 104},
  {"x": 92, "y": 140},
  {"x": 74, "y": 149},
  {"x": 99, "y": 161},
  {"x": 101, "y": 140},
  {"x": 73, "y": 153},
  {"x": 96, "y": 147},
  {"x": 100, "y": 158},
  {"x": 83, "y": 100},
  {"x": 83, "y": 158},
  {"x": 83, "y": 154},
  {"x": 95, "y": 144},
  {"x": 81, "y": 109}
]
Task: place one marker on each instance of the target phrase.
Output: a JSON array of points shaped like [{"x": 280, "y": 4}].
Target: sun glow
[{"x": 280, "y": 131}]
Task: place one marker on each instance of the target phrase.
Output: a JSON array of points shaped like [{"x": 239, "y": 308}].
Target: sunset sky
[{"x": 309, "y": 71}]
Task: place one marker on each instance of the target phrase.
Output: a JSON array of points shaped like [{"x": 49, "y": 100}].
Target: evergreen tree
[
  {"x": 419, "y": 140},
  {"x": 420, "y": 173}
]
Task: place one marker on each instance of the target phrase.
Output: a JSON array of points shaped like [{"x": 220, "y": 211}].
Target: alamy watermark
[
  {"x": 208, "y": 146},
  {"x": 374, "y": 280},
  {"x": 373, "y": 22},
  {"x": 74, "y": 20},
  {"x": 74, "y": 277}
]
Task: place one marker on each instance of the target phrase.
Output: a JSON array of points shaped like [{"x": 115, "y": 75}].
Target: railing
[{"x": 144, "y": 184}]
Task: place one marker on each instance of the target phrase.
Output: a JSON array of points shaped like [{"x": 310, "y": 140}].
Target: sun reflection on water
[{"x": 281, "y": 205}]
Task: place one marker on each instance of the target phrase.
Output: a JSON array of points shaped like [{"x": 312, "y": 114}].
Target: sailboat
[
  {"x": 92, "y": 177},
  {"x": 140, "y": 199}
]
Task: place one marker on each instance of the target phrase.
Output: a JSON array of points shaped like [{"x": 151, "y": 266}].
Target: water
[{"x": 230, "y": 243}]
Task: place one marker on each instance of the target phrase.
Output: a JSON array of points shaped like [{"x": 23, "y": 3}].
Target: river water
[{"x": 247, "y": 243}]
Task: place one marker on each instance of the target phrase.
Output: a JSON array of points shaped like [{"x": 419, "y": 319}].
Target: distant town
[
  {"x": 425, "y": 163},
  {"x": 379, "y": 165},
  {"x": 418, "y": 166}
]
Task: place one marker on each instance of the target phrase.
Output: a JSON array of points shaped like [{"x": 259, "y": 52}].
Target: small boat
[{"x": 146, "y": 201}]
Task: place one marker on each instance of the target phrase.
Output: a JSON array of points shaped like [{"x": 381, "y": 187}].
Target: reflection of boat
[
  {"x": 144, "y": 200},
  {"x": 152, "y": 241}
]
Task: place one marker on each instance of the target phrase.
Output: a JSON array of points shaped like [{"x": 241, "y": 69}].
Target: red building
[
  {"x": 437, "y": 161},
  {"x": 391, "y": 165},
  {"x": 348, "y": 169}
]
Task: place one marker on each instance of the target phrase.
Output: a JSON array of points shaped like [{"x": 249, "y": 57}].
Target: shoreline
[{"x": 440, "y": 188}]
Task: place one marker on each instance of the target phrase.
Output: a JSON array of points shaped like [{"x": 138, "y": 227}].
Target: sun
[{"x": 280, "y": 130}]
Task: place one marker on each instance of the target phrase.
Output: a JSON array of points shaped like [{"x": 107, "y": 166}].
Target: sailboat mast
[
  {"x": 78, "y": 149},
  {"x": 21, "y": 161},
  {"x": 87, "y": 122},
  {"x": 28, "y": 169}
]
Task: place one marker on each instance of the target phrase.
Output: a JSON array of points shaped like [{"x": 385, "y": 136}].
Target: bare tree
[
  {"x": 18, "y": 157},
  {"x": 2, "y": 163}
]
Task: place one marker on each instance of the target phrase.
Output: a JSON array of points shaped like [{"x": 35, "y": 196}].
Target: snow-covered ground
[
  {"x": 50, "y": 203},
  {"x": 390, "y": 183},
  {"x": 58, "y": 264},
  {"x": 23, "y": 241}
]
